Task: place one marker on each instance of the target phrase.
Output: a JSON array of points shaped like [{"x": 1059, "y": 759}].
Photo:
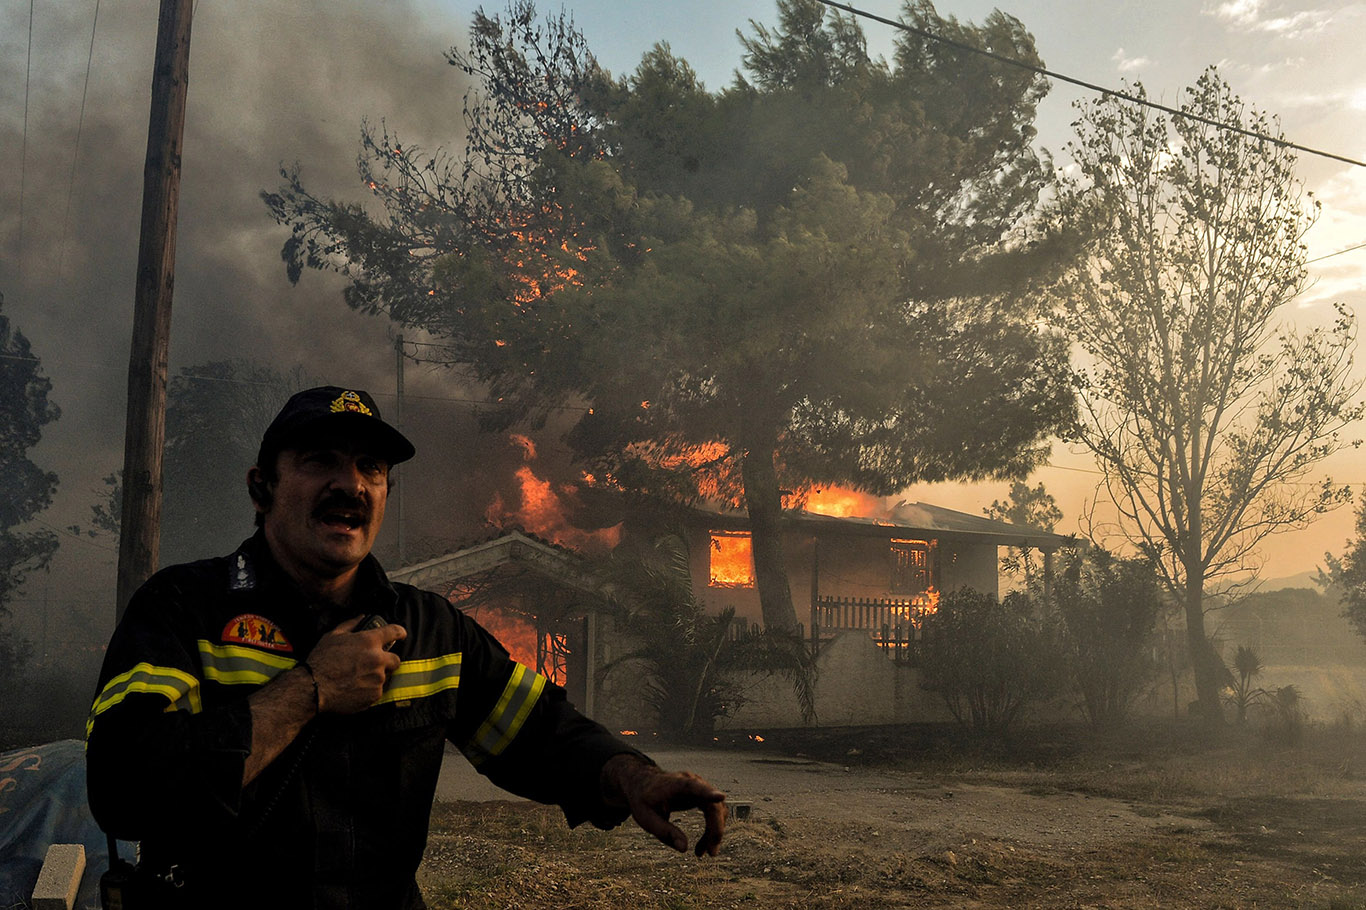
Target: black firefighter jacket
[{"x": 339, "y": 820}]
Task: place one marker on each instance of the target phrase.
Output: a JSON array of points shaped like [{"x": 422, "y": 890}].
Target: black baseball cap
[{"x": 332, "y": 409}]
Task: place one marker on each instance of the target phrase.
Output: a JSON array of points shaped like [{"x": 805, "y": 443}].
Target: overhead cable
[
  {"x": 23, "y": 153},
  {"x": 76, "y": 151},
  {"x": 1091, "y": 86},
  {"x": 1338, "y": 253}
]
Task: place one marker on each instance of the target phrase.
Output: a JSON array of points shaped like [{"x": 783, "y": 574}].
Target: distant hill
[
  {"x": 1302, "y": 580},
  {"x": 1293, "y": 625}
]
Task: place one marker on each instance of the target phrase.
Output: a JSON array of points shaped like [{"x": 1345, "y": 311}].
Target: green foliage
[
  {"x": 1242, "y": 694},
  {"x": 1030, "y": 507},
  {"x": 1206, "y": 413},
  {"x": 1349, "y": 574},
  {"x": 824, "y": 273},
  {"x": 989, "y": 659},
  {"x": 1109, "y": 608},
  {"x": 106, "y": 512},
  {"x": 1286, "y": 715},
  {"x": 25, "y": 489},
  {"x": 215, "y": 415},
  {"x": 691, "y": 657}
]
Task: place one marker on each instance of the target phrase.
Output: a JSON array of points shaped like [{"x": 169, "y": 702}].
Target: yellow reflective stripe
[
  {"x": 233, "y": 665},
  {"x": 180, "y": 689},
  {"x": 423, "y": 677},
  {"x": 508, "y": 715}
]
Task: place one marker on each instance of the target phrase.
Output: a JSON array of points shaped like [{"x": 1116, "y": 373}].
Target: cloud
[
  {"x": 1336, "y": 257},
  {"x": 1126, "y": 64},
  {"x": 1344, "y": 98},
  {"x": 269, "y": 84},
  {"x": 1258, "y": 16}
]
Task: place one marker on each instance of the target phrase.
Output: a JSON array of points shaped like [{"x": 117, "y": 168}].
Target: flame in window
[{"x": 732, "y": 560}]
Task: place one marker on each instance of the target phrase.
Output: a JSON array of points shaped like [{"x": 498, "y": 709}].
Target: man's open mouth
[{"x": 341, "y": 518}]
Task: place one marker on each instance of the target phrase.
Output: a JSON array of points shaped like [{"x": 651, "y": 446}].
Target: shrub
[
  {"x": 1284, "y": 711},
  {"x": 1109, "y": 609},
  {"x": 988, "y": 659}
]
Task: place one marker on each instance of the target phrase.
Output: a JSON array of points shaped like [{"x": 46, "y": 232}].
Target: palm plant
[
  {"x": 691, "y": 658},
  {"x": 1247, "y": 664}
]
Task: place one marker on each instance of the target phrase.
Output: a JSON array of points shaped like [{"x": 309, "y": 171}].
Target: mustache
[{"x": 343, "y": 501}]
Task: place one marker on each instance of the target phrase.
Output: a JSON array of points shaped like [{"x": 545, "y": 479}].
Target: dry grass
[{"x": 1264, "y": 826}]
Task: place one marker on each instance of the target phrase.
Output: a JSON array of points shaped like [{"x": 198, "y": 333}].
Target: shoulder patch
[{"x": 251, "y": 629}]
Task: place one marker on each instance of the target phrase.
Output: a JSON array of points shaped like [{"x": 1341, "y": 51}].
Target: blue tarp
[{"x": 42, "y": 802}]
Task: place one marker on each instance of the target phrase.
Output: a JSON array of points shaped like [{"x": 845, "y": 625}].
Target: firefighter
[{"x": 285, "y": 709}]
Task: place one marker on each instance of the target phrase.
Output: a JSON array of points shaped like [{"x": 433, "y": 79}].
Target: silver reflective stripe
[
  {"x": 508, "y": 715},
  {"x": 232, "y": 665},
  {"x": 422, "y": 677},
  {"x": 180, "y": 689}
]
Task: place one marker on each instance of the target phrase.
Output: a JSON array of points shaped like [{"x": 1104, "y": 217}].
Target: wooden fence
[{"x": 894, "y": 624}]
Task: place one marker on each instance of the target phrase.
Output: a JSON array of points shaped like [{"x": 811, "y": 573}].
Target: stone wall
[{"x": 857, "y": 684}]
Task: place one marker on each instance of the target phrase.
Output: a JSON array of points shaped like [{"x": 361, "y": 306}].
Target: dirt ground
[{"x": 1159, "y": 816}]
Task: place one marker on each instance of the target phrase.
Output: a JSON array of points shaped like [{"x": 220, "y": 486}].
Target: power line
[
  {"x": 67, "y": 532},
  {"x": 76, "y": 151},
  {"x": 23, "y": 154},
  {"x": 1338, "y": 253},
  {"x": 1293, "y": 483},
  {"x": 1091, "y": 86}
]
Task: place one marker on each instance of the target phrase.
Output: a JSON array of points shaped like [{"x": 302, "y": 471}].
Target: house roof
[
  {"x": 518, "y": 548},
  {"x": 512, "y": 547},
  {"x": 919, "y": 518}
]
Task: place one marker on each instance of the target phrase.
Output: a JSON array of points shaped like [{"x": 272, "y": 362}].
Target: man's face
[{"x": 326, "y": 509}]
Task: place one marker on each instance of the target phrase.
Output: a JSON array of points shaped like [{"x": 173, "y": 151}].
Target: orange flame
[
  {"x": 707, "y": 463},
  {"x": 527, "y": 443},
  {"x": 542, "y": 509},
  {"x": 518, "y": 635},
  {"x": 732, "y": 560},
  {"x": 534, "y": 267},
  {"x": 921, "y": 606},
  {"x": 843, "y": 503}
]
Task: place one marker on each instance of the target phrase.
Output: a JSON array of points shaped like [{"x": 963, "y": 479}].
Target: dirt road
[
  {"x": 1151, "y": 823},
  {"x": 927, "y": 815}
]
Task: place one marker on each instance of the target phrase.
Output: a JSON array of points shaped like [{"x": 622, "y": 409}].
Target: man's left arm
[
  {"x": 518, "y": 730},
  {"x": 652, "y": 794}
]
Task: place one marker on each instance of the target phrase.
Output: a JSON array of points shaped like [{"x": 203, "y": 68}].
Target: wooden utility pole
[
  {"x": 398, "y": 424},
  {"x": 145, "y": 429}
]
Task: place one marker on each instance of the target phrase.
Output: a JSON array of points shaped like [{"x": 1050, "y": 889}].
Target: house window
[
  {"x": 732, "y": 560},
  {"x": 913, "y": 566}
]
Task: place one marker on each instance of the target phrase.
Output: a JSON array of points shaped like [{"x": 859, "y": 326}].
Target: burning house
[{"x": 861, "y": 585}]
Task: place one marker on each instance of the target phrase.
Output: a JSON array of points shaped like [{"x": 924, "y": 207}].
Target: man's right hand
[{"x": 351, "y": 668}]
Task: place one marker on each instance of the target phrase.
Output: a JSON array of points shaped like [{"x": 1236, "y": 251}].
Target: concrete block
[{"x": 60, "y": 877}]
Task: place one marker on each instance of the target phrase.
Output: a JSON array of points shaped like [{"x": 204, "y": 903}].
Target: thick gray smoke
[{"x": 269, "y": 84}]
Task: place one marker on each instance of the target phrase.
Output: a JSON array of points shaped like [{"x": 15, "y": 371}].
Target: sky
[
  {"x": 1298, "y": 60},
  {"x": 274, "y": 84}
]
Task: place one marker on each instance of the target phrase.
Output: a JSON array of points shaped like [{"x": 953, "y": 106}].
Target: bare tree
[{"x": 1206, "y": 413}]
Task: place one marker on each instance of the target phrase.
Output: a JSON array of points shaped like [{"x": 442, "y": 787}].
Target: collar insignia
[
  {"x": 243, "y": 574},
  {"x": 251, "y": 629},
  {"x": 350, "y": 401}
]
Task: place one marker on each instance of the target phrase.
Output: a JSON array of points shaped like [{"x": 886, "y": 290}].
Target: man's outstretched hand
[{"x": 651, "y": 794}]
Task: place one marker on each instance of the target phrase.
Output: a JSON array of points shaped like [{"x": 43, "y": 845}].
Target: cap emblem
[{"x": 350, "y": 401}]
